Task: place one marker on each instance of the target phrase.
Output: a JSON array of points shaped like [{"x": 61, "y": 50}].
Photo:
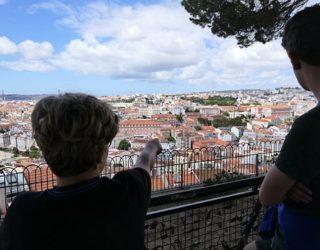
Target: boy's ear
[{"x": 295, "y": 61}]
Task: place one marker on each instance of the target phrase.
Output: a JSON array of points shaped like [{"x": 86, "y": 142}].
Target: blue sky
[{"x": 125, "y": 47}]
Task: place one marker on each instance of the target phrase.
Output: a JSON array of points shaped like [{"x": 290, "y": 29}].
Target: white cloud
[
  {"x": 158, "y": 42},
  {"x": 27, "y": 65},
  {"x": 141, "y": 40},
  {"x": 7, "y": 46},
  {"x": 34, "y": 55},
  {"x": 152, "y": 42},
  {"x": 34, "y": 50},
  {"x": 56, "y": 7}
]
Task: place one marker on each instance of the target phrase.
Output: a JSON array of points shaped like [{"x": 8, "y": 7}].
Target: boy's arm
[
  {"x": 137, "y": 182},
  {"x": 300, "y": 193},
  {"x": 274, "y": 187},
  {"x": 277, "y": 186},
  {"x": 148, "y": 156}
]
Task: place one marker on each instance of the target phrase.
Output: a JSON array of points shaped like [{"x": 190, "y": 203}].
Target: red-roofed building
[
  {"x": 189, "y": 122},
  {"x": 167, "y": 118},
  {"x": 282, "y": 111},
  {"x": 210, "y": 111},
  {"x": 141, "y": 127},
  {"x": 209, "y": 143}
]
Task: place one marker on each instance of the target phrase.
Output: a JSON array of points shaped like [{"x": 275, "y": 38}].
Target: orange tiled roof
[
  {"x": 280, "y": 106},
  {"x": 139, "y": 122},
  {"x": 157, "y": 116}
]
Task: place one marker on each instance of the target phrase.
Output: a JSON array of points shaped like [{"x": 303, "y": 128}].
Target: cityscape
[
  {"x": 181, "y": 122},
  {"x": 191, "y": 120},
  {"x": 210, "y": 80}
]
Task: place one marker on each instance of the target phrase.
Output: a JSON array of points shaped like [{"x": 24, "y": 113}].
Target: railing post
[
  {"x": 257, "y": 164},
  {"x": 181, "y": 173}
]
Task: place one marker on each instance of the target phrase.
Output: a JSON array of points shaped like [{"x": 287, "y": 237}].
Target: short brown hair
[
  {"x": 72, "y": 130},
  {"x": 302, "y": 35}
]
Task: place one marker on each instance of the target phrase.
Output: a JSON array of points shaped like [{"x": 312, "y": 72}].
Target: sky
[{"x": 124, "y": 47}]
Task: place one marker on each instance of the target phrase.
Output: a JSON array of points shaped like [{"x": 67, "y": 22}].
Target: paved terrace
[{"x": 202, "y": 199}]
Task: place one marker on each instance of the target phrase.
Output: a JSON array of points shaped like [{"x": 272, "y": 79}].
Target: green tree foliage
[
  {"x": 179, "y": 118},
  {"x": 125, "y": 100},
  {"x": 26, "y": 153},
  {"x": 223, "y": 121},
  {"x": 248, "y": 21},
  {"x": 124, "y": 145},
  {"x": 34, "y": 152},
  {"x": 215, "y": 100},
  {"x": 197, "y": 128},
  {"x": 204, "y": 121},
  {"x": 188, "y": 110},
  {"x": 171, "y": 139},
  {"x": 15, "y": 152},
  {"x": 6, "y": 149}
]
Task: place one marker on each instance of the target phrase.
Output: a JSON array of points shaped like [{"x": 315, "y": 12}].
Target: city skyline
[{"x": 126, "y": 47}]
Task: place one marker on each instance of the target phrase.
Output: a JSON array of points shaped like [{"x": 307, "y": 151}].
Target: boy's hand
[
  {"x": 148, "y": 157},
  {"x": 300, "y": 193},
  {"x": 153, "y": 146}
]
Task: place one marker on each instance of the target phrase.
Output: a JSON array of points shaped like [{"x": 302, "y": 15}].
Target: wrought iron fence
[{"x": 174, "y": 170}]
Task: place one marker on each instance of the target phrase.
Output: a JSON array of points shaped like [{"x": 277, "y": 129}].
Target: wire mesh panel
[{"x": 216, "y": 226}]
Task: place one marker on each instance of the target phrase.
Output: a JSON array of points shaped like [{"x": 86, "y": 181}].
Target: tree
[
  {"x": 179, "y": 118},
  {"x": 197, "y": 128},
  {"x": 248, "y": 21},
  {"x": 215, "y": 100},
  {"x": 26, "y": 153},
  {"x": 124, "y": 145},
  {"x": 171, "y": 139},
  {"x": 34, "y": 152},
  {"x": 15, "y": 152},
  {"x": 204, "y": 121},
  {"x": 222, "y": 121}
]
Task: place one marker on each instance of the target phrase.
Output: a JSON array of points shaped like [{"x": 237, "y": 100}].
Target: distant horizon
[{"x": 156, "y": 93}]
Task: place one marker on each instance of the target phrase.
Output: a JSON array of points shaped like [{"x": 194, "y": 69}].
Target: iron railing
[{"x": 174, "y": 170}]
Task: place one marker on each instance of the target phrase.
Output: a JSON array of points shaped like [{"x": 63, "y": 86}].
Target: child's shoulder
[
  {"x": 25, "y": 198},
  {"x": 312, "y": 117}
]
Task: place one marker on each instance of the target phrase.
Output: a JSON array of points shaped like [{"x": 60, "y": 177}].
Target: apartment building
[
  {"x": 209, "y": 110},
  {"x": 141, "y": 127},
  {"x": 282, "y": 111},
  {"x": 167, "y": 118}
]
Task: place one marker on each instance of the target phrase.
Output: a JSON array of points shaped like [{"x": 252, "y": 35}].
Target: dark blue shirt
[{"x": 100, "y": 213}]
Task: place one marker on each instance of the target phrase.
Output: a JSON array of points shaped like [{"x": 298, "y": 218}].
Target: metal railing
[{"x": 174, "y": 170}]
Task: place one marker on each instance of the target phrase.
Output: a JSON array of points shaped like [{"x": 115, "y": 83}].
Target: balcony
[{"x": 201, "y": 199}]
